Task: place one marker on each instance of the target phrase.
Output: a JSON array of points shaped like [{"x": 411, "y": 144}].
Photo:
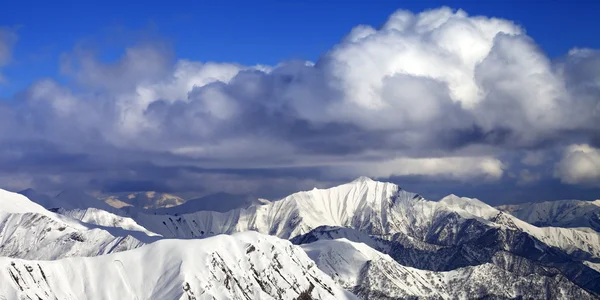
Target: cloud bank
[{"x": 438, "y": 94}]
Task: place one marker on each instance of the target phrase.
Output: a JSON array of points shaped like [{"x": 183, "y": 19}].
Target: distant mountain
[
  {"x": 143, "y": 200},
  {"x": 562, "y": 213},
  {"x": 241, "y": 267},
  {"x": 219, "y": 202},
  {"x": 67, "y": 199},
  {"x": 79, "y": 199}
]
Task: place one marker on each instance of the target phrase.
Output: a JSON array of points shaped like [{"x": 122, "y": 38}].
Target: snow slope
[
  {"x": 243, "y": 266},
  {"x": 29, "y": 231},
  {"x": 563, "y": 213},
  {"x": 373, "y": 275}
]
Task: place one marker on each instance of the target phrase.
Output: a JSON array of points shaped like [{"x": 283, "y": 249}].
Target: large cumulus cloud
[{"x": 438, "y": 94}]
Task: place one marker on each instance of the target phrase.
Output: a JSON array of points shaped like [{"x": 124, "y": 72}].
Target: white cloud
[
  {"x": 461, "y": 168},
  {"x": 580, "y": 164},
  {"x": 438, "y": 44}
]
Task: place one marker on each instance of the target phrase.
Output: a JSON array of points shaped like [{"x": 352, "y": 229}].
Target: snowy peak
[
  {"x": 472, "y": 206},
  {"x": 362, "y": 179}
]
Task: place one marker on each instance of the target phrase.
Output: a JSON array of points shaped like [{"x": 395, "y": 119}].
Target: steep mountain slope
[
  {"x": 29, "y": 231},
  {"x": 243, "y": 266},
  {"x": 145, "y": 200},
  {"x": 373, "y": 275},
  {"x": 219, "y": 202},
  {"x": 563, "y": 213}
]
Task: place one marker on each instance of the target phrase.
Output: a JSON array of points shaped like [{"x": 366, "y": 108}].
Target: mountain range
[{"x": 364, "y": 239}]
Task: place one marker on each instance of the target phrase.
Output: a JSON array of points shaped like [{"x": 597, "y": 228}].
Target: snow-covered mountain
[
  {"x": 143, "y": 200},
  {"x": 243, "y": 266},
  {"x": 376, "y": 208},
  {"x": 372, "y": 238},
  {"x": 435, "y": 235},
  {"x": 371, "y": 274},
  {"x": 563, "y": 213},
  {"x": 521, "y": 255},
  {"x": 29, "y": 231}
]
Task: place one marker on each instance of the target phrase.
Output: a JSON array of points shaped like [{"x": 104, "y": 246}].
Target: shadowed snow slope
[
  {"x": 243, "y": 266},
  {"x": 373, "y": 275}
]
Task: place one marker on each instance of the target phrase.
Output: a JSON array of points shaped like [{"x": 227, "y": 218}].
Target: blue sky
[
  {"x": 118, "y": 96},
  {"x": 250, "y": 32}
]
